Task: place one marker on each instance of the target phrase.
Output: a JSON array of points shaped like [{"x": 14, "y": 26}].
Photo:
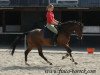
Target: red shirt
[{"x": 50, "y": 17}]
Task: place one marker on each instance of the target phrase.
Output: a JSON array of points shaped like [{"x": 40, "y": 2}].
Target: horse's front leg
[
  {"x": 65, "y": 56},
  {"x": 70, "y": 54},
  {"x": 62, "y": 40}
]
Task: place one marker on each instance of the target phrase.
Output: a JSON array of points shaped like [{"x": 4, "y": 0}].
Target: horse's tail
[{"x": 15, "y": 42}]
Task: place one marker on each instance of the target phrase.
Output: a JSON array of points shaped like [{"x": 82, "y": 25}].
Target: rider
[{"x": 51, "y": 21}]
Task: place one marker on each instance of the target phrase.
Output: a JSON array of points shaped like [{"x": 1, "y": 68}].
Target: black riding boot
[{"x": 54, "y": 40}]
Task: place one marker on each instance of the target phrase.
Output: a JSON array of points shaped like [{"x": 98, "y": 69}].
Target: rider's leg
[{"x": 52, "y": 28}]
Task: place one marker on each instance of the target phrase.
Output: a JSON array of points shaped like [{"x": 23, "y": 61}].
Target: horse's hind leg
[
  {"x": 41, "y": 54},
  {"x": 26, "y": 53}
]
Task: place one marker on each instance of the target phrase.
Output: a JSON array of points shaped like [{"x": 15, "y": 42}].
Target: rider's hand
[
  {"x": 55, "y": 23},
  {"x": 59, "y": 23}
]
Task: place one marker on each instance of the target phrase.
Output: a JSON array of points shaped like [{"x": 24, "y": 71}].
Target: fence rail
[{"x": 84, "y": 34}]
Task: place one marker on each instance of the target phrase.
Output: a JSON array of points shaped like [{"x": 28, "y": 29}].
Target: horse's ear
[{"x": 81, "y": 23}]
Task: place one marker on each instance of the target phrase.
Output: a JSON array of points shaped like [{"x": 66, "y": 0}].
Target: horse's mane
[
  {"x": 69, "y": 24},
  {"x": 66, "y": 23}
]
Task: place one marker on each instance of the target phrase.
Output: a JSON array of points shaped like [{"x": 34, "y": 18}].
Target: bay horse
[{"x": 35, "y": 39}]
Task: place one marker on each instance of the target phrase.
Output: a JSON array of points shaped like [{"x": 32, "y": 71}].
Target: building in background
[
  {"x": 25, "y": 15},
  {"x": 66, "y": 3}
]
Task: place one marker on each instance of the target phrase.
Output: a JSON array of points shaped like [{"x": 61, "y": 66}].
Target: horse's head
[
  {"x": 79, "y": 29},
  {"x": 72, "y": 26}
]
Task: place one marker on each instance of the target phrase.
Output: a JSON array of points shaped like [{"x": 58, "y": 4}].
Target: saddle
[
  {"x": 50, "y": 35},
  {"x": 47, "y": 33}
]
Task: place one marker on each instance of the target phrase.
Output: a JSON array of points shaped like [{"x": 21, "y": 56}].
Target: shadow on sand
[{"x": 26, "y": 68}]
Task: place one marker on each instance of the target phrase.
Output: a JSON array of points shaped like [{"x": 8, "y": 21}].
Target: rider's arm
[
  {"x": 51, "y": 19},
  {"x": 54, "y": 22}
]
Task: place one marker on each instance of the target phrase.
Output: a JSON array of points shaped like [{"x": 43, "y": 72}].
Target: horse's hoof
[
  {"x": 27, "y": 64},
  {"x": 75, "y": 63},
  {"x": 50, "y": 63},
  {"x": 63, "y": 57}
]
